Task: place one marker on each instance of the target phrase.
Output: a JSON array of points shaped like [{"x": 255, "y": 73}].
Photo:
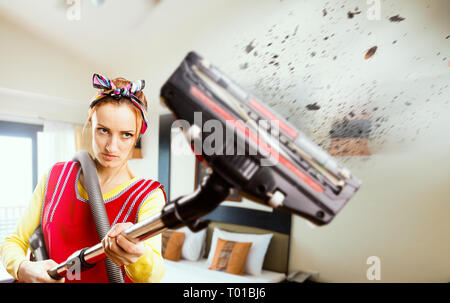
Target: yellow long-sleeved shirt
[{"x": 148, "y": 268}]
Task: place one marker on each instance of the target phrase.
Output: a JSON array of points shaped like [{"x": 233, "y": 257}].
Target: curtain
[{"x": 56, "y": 143}]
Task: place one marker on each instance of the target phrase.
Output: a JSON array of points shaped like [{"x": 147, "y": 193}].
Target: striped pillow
[
  {"x": 172, "y": 243},
  {"x": 230, "y": 256}
]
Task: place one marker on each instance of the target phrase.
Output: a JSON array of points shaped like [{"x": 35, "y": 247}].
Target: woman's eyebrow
[
  {"x": 99, "y": 124},
  {"x": 122, "y": 131}
]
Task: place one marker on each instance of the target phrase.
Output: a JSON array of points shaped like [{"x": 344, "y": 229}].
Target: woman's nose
[{"x": 112, "y": 146}]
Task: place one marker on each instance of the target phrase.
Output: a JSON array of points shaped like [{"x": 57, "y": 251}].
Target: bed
[
  {"x": 240, "y": 220},
  {"x": 197, "y": 272}
]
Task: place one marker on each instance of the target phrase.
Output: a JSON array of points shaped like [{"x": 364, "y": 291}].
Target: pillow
[
  {"x": 255, "y": 258},
  {"x": 172, "y": 242},
  {"x": 194, "y": 244},
  {"x": 230, "y": 256}
]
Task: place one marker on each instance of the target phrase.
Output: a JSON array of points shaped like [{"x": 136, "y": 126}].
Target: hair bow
[{"x": 129, "y": 91}]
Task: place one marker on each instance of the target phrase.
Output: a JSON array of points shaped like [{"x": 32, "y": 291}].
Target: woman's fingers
[
  {"x": 108, "y": 248},
  {"x": 117, "y": 254},
  {"x": 119, "y": 228},
  {"x": 49, "y": 264},
  {"x": 36, "y": 272},
  {"x": 121, "y": 250},
  {"x": 135, "y": 249}
]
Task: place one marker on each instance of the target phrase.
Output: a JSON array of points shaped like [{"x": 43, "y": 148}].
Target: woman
[{"x": 118, "y": 118}]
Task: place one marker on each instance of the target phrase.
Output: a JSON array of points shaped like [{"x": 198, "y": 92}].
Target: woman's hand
[
  {"x": 36, "y": 272},
  {"x": 121, "y": 250}
]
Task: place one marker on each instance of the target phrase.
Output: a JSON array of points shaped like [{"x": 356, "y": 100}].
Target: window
[
  {"x": 18, "y": 171},
  {"x": 16, "y": 176}
]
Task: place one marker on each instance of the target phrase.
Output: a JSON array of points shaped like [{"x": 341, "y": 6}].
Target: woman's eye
[
  {"x": 128, "y": 135},
  {"x": 103, "y": 130}
]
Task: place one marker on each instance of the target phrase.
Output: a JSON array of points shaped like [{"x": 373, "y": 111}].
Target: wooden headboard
[{"x": 251, "y": 221}]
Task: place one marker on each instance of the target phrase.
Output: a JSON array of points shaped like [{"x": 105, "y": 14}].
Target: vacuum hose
[{"x": 97, "y": 206}]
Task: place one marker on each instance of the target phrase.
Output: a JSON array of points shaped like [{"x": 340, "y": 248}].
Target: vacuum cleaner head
[{"x": 254, "y": 149}]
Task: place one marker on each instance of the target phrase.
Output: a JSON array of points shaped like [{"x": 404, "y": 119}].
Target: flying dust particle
[
  {"x": 350, "y": 14},
  {"x": 396, "y": 18},
  {"x": 249, "y": 47},
  {"x": 313, "y": 106},
  {"x": 370, "y": 52},
  {"x": 243, "y": 66}
]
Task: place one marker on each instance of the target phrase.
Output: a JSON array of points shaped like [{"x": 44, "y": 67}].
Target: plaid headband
[{"x": 110, "y": 90}]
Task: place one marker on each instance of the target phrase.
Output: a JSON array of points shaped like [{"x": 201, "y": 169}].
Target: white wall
[
  {"x": 400, "y": 215},
  {"x": 40, "y": 78}
]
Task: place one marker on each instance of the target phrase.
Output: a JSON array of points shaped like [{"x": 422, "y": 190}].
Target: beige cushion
[
  {"x": 172, "y": 243},
  {"x": 230, "y": 256}
]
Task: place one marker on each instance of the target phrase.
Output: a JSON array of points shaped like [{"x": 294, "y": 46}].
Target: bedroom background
[{"x": 310, "y": 60}]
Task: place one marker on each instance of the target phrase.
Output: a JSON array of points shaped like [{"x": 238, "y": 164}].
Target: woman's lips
[{"x": 109, "y": 157}]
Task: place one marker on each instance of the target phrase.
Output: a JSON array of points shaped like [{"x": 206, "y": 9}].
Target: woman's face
[{"x": 113, "y": 133}]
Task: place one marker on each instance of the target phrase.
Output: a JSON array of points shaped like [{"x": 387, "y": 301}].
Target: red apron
[{"x": 67, "y": 221}]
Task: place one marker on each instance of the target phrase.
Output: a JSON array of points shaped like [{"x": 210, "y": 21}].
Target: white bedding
[{"x": 185, "y": 271}]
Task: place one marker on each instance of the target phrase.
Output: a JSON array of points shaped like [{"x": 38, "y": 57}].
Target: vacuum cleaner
[{"x": 277, "y": 165}]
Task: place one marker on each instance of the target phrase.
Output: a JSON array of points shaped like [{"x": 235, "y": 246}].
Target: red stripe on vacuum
[
  {"x": 286, "y": 128},
  {"x": 248, "y": 133}
]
